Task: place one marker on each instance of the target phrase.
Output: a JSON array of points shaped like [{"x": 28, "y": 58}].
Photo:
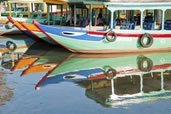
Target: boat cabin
[{"x": 114, "y": 14}]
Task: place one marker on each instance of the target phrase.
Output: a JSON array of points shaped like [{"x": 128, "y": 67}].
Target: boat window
[
  {"x": 126, "y": 19},
  {"x": 167, "y": 22},
  {"x": 100, "y": 19},
  {"x": 152, "y": 19}
]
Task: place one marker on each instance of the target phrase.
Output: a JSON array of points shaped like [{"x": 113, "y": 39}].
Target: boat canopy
[
  {"x": 62, "y": 2},
  {"x": 125, "y": 1},
  {"x": 21, "y": 1},
  {"x": 131, "y": 4}
]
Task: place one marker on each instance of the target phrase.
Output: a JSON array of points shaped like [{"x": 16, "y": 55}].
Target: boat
[
  {"x": 78, "y": 67},
  {"x": 22, "y": 29},
  {"x": 114, "y": 81},
  {"x": 133, "y": 33},
  {"x": 35, "y": 31},
  {"x": 20, "y": 10}
]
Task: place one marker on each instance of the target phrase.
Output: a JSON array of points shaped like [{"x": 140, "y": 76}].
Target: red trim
[
  {"x": 102, "y": 76},
  {"x": 13, "y": 22},
  {"x": 29, "y": 30},
  {"x": 130, "y": 34},
  {"x": 24, "y": 72},
  {"x": 46, "y": 76},
  {"x": 48, "y": 36}
]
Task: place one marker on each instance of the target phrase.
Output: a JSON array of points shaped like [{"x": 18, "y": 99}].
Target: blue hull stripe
[
  {"x": 58, "y": 31},
  {"x": 59, "y": 78}
]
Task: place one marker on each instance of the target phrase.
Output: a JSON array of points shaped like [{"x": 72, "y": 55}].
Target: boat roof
[
  {"x": 64, "y": 2},
  {"x": 132, "y": 4},
  {"x": 107, "y": 1},
  {"x": 115, "y": 4},
  {"x": 21, "y": 1}
]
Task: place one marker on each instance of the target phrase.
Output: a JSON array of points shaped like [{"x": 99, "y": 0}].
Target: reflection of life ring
[
  {"x": 112, "y": 38},
  {"x": 11, "y": 45},
  {"x": 110, "y": 73},
  {"x": 144, "y": 64},
  {"x": 9, "y": 25},
  {"x": 148, "y": 43}
]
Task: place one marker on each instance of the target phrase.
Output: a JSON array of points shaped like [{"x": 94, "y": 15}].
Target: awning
[
  {"x": 62, "y": 2},
  {"x": 18, "y": 1},
  {"x": 96, "y": 6}
]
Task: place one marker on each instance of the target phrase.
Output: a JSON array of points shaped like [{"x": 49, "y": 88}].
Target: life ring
[
  {"x": 11, "y": 45},
  {"x": 112, "y": 38},
  {"x": 144, "y": 64},
  {"x": 110, "y": 73},
  {"x": 9, "y": 25},
  {"x": 148, "y": 43}
]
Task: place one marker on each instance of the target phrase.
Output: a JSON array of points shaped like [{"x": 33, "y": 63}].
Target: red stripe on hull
[
  {"x": 129, "y": 34},
  {"x": 103, "y": 76}
]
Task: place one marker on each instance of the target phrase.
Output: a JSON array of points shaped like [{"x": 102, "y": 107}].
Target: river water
[{"x": 46, "y": 79}]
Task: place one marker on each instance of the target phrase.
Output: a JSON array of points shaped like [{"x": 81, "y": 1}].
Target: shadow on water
[{"x": 111, "y": 79}]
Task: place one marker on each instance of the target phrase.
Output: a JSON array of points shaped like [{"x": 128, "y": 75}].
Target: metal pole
[{"x": 90, "y": 17}]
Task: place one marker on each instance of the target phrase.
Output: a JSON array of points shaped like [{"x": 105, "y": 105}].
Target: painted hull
[
  {"x": 32, "y": 29},
  {"x": 95, "y": 42},
  {"x": 87, "y": 67},
  {"x": 4, "y": 29},
  {"x": 21, "y": 28}
]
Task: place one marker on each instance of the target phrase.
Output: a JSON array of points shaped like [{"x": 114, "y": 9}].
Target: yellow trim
[
  {"x": 40, "y": 68},
  {"x": 55, "y": 2},
  {"x": 3, "y": 21},
  {"x": 29, "y": 14},
  {"x": 5, "y": 50},
  {"x": 31, "y": 27},
  {"x": 18, "y": 25},
  {"x": 24, "y": 62},
  {"x": 9, "y": 7},
  {"x": 96, "y": 6}
]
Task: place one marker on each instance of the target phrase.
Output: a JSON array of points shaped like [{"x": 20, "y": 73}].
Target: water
[{"x": 48, "y": 79}]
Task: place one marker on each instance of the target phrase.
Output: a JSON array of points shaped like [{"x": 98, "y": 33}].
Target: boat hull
[{"x": 96, "y": 42}]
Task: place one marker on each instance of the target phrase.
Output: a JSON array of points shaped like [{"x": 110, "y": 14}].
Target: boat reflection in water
[
  {"x": 116, "y": 79},
  {"x": 110, "y": 79}
]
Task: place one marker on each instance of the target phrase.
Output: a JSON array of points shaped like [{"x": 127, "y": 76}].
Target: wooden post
[
  {"x": 90, "y": 16},
  {"x": 48, "y": 15},
  {"x": 28, "y": 10},
  {"x": 61, "y": 10},
  {"x": 83, "y": 12},
  {"x": 9, "y": 7},
  {"x": 71, "y": 15},
  {"x": 61, "y": 14},
  {"x": 141, "y": 19},
  {"x": 75, "y": 15}
]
